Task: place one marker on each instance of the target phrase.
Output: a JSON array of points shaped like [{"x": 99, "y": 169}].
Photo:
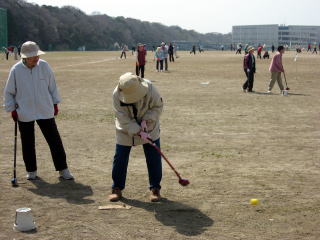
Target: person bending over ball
[{"x": 138, "y": 106}]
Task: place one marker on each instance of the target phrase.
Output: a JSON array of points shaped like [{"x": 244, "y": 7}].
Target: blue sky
[{"x": 203, "y": 15}]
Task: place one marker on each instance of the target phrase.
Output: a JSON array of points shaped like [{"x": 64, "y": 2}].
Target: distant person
[
  {"x": 276, "y": 68},
  {"x": 153, "y": 48},
  {"x": 133, "y": 49},
  {"x": 31, "y": 95},
  {"x": 309, "y": 47},
  {"x": 6, "y": 52},
  {"x": 164, "y": 48},
  {"x": 259, "y": 51},
  {"x": 19, "y": 51},
  {"x": 193, "y": 50},
  {"x": 159, "y": 56},
  {"x": 298, "y": 49},
  {"x": 171, "y": 52},
  {"x": 272, "y": 48},
  {"x": 314, "y": 49},
  {"x": 222, "y": 48},
  {"x": 137, "y": 105},
  {"x": 246, "y": 49},
  {"x": 124, "y": 50},
  {"x": 239, "y": 49},
  {"x": 175, "y": 50},
  {"x": 231, "y": 47},
  {"x": 266, "y": 55},
  {"x": 249, "y": 67},
  {"x": 15, "y": 52},
  {"x": 140, "y": 60}
]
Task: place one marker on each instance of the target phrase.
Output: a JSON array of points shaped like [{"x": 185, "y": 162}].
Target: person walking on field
[
  {"x": 138, "y": 106},
  {"x": 165, "y": 48},
  {"x": 259, "y": 51},
  {"x": 249, "y": 67},
  {"x": 124, "y": 50},
  {"x": 31, "y": 95},
  {"x": 141, "y": 60},
  {"x": 272, "y": 48},
  {"x": 15, "y": 52},
  {"x": 6, "y": 52},
  {"x": 193, "y": 50},
  {"x": 159, "y": 56},
  {"x": 315, "y": 49},
  {"x": 309, "y": 47},
  {"x": 171, "y": 51},
  {"x": 276, "y": 68},
  {"x": 239, "y": 49}
]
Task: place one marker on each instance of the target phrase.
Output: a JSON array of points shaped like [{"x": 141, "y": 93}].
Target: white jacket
[{"x": 32, "y": 92}]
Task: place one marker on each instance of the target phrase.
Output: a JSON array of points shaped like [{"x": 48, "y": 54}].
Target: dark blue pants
[{"x": 120, "y": 165}]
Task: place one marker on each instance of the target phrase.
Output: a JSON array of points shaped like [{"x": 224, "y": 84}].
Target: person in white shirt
[{"x": 31, "y": 95}]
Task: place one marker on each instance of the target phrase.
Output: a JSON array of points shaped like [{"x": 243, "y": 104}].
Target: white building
[{"x": 276, "y": 35}]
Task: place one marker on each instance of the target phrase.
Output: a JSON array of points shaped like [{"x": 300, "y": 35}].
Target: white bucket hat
[
  {"x": 30, "y": 49},
  {"x": 250, "y": 48},
  {"x": 131, "y": 88}
]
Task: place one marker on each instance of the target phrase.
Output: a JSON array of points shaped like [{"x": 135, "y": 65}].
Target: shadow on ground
[
  {"x": 70, "y": 190},
  {"x": 185, "y": 219},
  {"x": 270, "y": 94}
]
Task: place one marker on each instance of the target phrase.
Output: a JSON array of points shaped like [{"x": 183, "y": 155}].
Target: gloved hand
[
  {"x": 144, "y": 136},
  {"x": 144, "y": 126},
  {"x": 14, "y": 115},
  {"x": 248, "y": 70},
  {"x": 56, "y": 110}
]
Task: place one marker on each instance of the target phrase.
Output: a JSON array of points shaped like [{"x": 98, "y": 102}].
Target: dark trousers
[
  {"x": 140, "y": 69},
  {"x": 171, "y": 58},
  {"x": 159, "y": 64},
  {"x": 120, "y": 165},
  {"x": 50, "y": 132},
  {"x": 166, "y": 64},
  {"x": 249, "y": 82},
  {"x": 123, "y": 54},
  {"x": 7, "y": 55}
]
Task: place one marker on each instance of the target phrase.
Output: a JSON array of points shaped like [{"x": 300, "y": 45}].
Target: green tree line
[{"x": 68, "y": 28}]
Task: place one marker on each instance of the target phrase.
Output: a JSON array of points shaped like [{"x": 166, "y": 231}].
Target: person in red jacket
[
  {"x": 309, "y": 47},
  {"x": 259, "y": 51},
  {"x": 141, "y": 60}
]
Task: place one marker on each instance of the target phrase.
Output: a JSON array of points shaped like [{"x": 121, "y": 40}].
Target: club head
[
  {"x": 14, "y": 182},
  {"x": 287, "y": 88},
  {"x": 184, "y": 182}
]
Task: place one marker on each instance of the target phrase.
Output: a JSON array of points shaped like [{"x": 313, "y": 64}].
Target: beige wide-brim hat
[
  {"x": 30, "y": 49},
  {"x": 131, "y": 88},
  {"x": 250, "y": 48}
]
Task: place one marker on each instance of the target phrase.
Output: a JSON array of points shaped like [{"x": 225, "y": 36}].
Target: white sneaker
[
  {"x": 32, "y": 175},
  {"x": 65, "y": 174},
  {"x": 269, "y": 92}
]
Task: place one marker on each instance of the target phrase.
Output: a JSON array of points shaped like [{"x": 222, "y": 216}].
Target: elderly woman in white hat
[
  {"x": 137, "y": 105},
  {"x": 31, "y": 95}
]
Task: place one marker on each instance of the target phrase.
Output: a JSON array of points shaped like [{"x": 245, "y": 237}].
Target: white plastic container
[{"x": 24, "y": 220}]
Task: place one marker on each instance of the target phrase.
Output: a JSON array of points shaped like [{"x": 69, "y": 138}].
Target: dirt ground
[{"x": 232, "y": 146}]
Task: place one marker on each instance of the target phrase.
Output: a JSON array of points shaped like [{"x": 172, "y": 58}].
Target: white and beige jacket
[{"x": 127, "y": 124}]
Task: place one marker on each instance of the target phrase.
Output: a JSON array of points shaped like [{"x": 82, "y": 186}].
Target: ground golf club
[
  {"x": 14, "y": 179},
  {"x": 285, "y": 79},
  {"x": 183, "y": 182}
]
